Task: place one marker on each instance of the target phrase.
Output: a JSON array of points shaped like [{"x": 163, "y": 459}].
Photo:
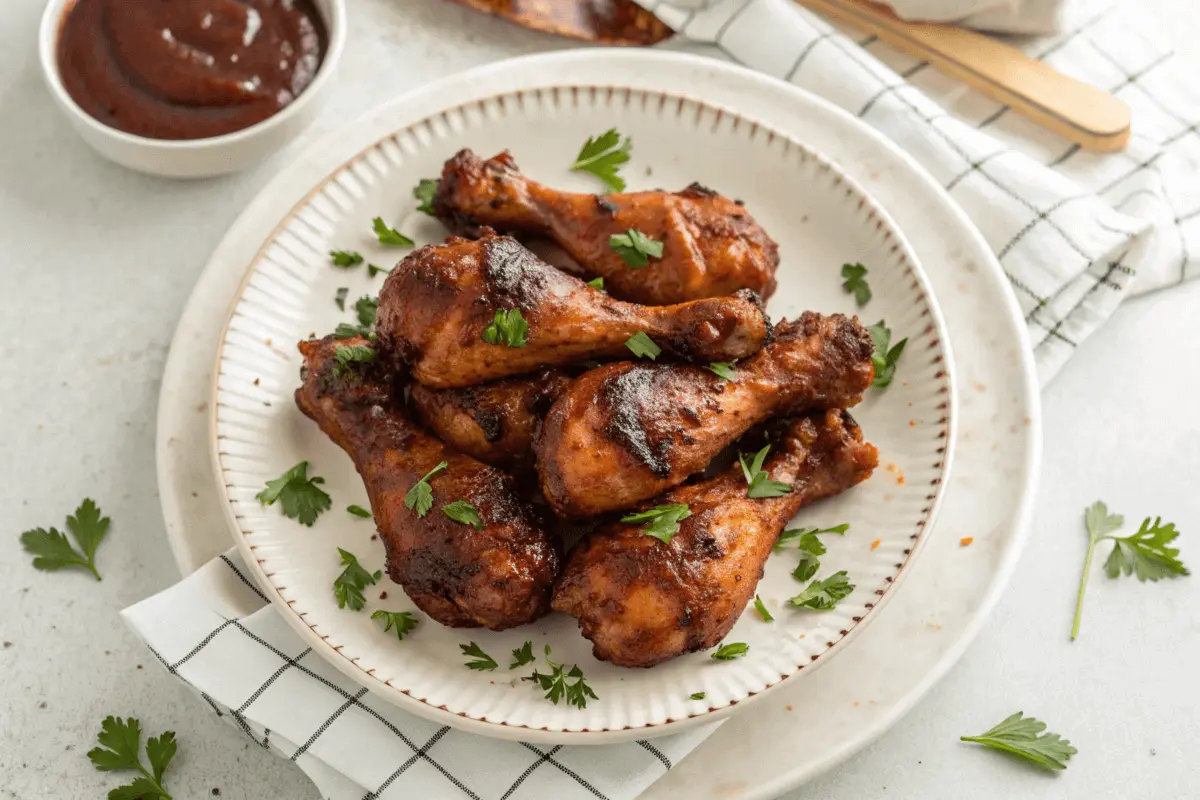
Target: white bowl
[{"x": 193, "y": 158}]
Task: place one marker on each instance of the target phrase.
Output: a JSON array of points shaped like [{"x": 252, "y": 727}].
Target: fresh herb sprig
[
  {"x": 855, "y": 282},
  {"x": 810, "y": 548},
  {"x": 643, "y": 346},
  {"x": 348, "y": 356},
  {"x": 479, "y": 659},
  {"x": 388, "y": 235},
  {"x": 603, "y": 157},
  {"x": 759, "y": 483},
  {"x": 507, "y": 327},
  {"x": 728, "y": 652},
  {"x": 120, "y": 751},
  {"x": 463, "y": 512},
  {"x": 723, "y": 370},
  {"x": 424, "y": 192},
  {"x": 1146, "y": 553},
  {"x": 420, "y": 497},
  {"x": 346, "y": 259},
  {"x": 824, "y": 594},
  {"x": 557, "y": 684},
  {"x": 403, "y": 621},
  {"x": 663, "y": 520},
  {"x": 886, "y": 355},
  {"x": 300, "y": 496},
  {"x": 1023, "y": 736},
  {"x": 52, "y": 550},
  {"x": 523, "y": 655},
  {"x": 761, "y": 608},
  {"x": 635, "y": 248},
  {"x": 366, "y": 309},
  {"x": 348, "y": 587}
]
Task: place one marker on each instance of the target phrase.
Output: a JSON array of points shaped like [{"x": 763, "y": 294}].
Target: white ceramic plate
[
  {"x": 772, "y": 749},
  {"x": 821, "y": 220}
]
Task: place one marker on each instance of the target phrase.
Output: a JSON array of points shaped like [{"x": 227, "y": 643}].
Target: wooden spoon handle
[{"x": 1088, "y": 116}]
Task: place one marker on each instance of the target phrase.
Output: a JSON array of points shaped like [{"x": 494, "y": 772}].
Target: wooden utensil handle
[{"x": 1088, "y": 116}]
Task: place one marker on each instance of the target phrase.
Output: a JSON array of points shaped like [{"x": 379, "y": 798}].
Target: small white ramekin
[{"x": 194, "y": 158}]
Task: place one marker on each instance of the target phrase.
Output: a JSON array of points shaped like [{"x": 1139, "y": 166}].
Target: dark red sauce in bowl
[{"x": 188, "y": 69}]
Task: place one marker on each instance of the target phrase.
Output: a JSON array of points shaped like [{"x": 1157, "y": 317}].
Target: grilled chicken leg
[
  {"x": 711, "y": 245},
  {"x": 625, "y": 432},
  {"x": 438, "y": 302},
  {"x": 497, "y": 577},
  {"x": 642, "y": 601},
  {"x": 493, "y": 422}
]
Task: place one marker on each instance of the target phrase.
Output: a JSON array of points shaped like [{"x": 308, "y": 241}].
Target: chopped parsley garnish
[
  {"x": 643, "y": 346},
  {"x": 884, "y": 358},
  {"x": 523, "y": 655},
  {"x": 53, "y": 551},
  {"x": 664, "y": 520},
  {"x": 698, "y": 696},
  {"x": 403, "y": 621},
  {"x": 728, "y": 652},
  {"x": 723, "y": 369},
  {"x": 424, "y": 191},
  {"x": 480, "y": 660},
  {"x": 824, "y": 594},
  {"x": 339, "y": 297},
  {"x": 373, "y": 270},
  {"x": 301, "y": 497},
  {"x": 597, "y": 283},
  {"x": 635, "y": 248},
  {"x": 359, "y": 511},
  {"x": 120, "y": 750},
  {"x": 464, "y": 512},
  {"x": 855, "y": 283},
  {"x": 348, "y": 586},
  {"x": 603, "y": 156},
  {"x": 759, "y": 482},
  {"x": 345, "y": 258},
  {"x": 810, "y": 548},
  {"x": 761, "y": 608},
  {"x": 557, "y": 684},
  {"x": 388, "y": 235},
  {"x": 420, "y": 496},
  {"x": 507, "y": 327},
  {"x": 1022, "y": 736},
  {"x": 348, "y": 356}
]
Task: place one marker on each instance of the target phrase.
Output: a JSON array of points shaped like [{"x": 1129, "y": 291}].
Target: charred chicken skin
[
  {"x": 493, "y": 422},
  {"x": 711, "y": 245},
  {"x": 626, "y": 432},
  {"x": 642, "y": 601},
  {"x": 498, "y": 577},
  {"x": 439, "y": 302}
]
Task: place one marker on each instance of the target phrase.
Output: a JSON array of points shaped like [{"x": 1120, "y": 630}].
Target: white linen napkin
[
  {"x": 217, "y": 633},
  {"x": 1072, "y": 229},
  {"x": 1014, "y": 16}
]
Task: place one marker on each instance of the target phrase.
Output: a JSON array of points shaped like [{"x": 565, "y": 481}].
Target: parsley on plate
[{"x": 300, "y": 496}]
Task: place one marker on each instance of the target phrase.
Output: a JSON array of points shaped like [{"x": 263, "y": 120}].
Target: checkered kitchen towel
[
  {"x": 217, "y": 633},
  {"x": 1076, "y": 232}
]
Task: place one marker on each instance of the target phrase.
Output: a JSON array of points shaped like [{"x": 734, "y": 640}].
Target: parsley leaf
[
  {"x": 404, "y": 621},
  {"x": 698, "y": 696},
  {"x": 635, "y": 248},
  {"x": 358, "y": 511},
  {"x": 302, "y": 498},
  {"x": 761, "y": 608},
  {"x": 1019, "y": 735},
  {"x": 389, "y": 236},
  {"x": 348, "y": 586},
  {"x": 507, "y": 327},
  {"x": 643, "y": 346},
  {"x": 424, "y": 191},
  {"x": 664, "y": 520},
  {"x": 1145, "y": 553},
  {"x": 557, "y": 684},
  {"x": 856, "y": 283},
  {"x": 523, "y": 655},
  {"x": 53, "y": 551},
  {"x": 120, "y": 745},
  {"x": 603, "y": 156},
  {"x": 345, "y": 258},
  {"x": 759, "y": 482},
  {"x": 373, "y": 270},
  {"x": 728, "y": 652},
  {"x": 824, "y": 594},
  {"x": 809, "y": 546},
  {"x": 420, "y": 496},
  {"x": 482, "y": 660},
  {"x": 464, "y": 512},
  {"x": 348, "y": 356},
  {"x": 597, "y": 283},
  {"x": 366, "y": 308},
  {"x": 884, "y": 359},
  {"x": 723, "y": 369},
  {"x": 339, "y": 297}
]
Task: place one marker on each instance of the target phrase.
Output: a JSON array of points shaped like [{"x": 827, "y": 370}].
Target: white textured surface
[{"x": 97, "y": 265}]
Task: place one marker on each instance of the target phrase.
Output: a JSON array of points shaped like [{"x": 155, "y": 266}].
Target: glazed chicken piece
[
  {"x": 642, "y": 601},
  {"x": 439, "y": 302},
  {"x": 626, "y": 432},
  {"x": 711, "y": 245},
  {"x": 493, "y": 422},
  {"x": 498, "y": 577}
]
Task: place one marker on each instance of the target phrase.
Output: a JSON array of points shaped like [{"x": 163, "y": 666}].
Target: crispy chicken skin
[
  {"x": 498, "y": 577},
  {"x": 711, "y": 245},
  {"x": 641, "y": 601},
  {"x": 493, "y": 422},
  {"x": 626, "y": 432},
  {"x": 437, "y": 303}
]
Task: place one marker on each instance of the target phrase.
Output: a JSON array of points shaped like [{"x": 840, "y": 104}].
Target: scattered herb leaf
[
  {"x": 724, "y": 369},
  {"x": 388, "y": 235},
  {"x": 481, "y": 660},
  {"x": 761, "y": 608},
  {"x": 507, "y": 327},
  {"x": 643, "y": 346},
  {"x": 635, "y": 248},
  {"x": 349, "y": 355},
  {"x": 403, "y": 621},
  {"x": 373, "y": 270},
  {"x": 664, "y": 520},
  {"x": 824, "y": 594},
  {"x": 420, "y": 496},
  {"x": 358, "y": 511},
  {"x": 885, "y": 359},
  {"x": 597, "y": 283},
  {"x": 119, "y": 750},
  {"x": 758, "y": 481},
  {"x": 1022, "y": 736},
  {"x": 301, "y": 497},
  {"x": 424, "y": 191},
  {"x": 801, "y": 535},
  {"x": 523, "y": 655},
  {"x": 339, "y": 297},
  {"x": 856, "y": 283},
  {"x": 348, "y": 586},
  {"x": 53, "y": 551},
  {"x": 603, "y": 156},
  {"x": 728, "y": 652},
  {"x": 464, "y": 512},
  {"x": 557, "y": 684},
  {"x": 345, "y": 258},
  {"x": 698, "y": 696}
]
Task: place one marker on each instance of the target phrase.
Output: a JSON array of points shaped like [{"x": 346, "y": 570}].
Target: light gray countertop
[{"x": 97, "y": 264}]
